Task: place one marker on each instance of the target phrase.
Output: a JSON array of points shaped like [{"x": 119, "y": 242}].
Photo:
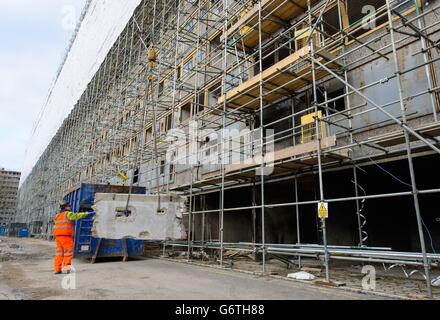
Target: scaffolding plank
[
  {"x": 277, "y": 158},
  {"x": 291, "y": 74},
  {"x": 294, "y": 151},
  {"x": 397, "y": 137},
  {"x": 276, "y": 14}
]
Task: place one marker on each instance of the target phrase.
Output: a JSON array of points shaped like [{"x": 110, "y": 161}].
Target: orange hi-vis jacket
[
  {"x": 63, "y": 226},
  {"x": 64, "y": 231},
  {"x": 64, "y": 223}
]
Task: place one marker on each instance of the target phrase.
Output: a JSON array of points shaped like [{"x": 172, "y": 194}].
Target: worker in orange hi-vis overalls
[{"x": 64, "y": 231}]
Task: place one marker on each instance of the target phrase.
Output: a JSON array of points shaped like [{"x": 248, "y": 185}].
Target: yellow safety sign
[{"x": 323, "y": 210}]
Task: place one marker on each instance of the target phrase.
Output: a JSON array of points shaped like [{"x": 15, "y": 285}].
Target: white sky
[{"x": 34, "y": 36}]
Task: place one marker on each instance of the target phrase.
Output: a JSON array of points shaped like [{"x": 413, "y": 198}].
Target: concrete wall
[{"x": 143, "y": 220}]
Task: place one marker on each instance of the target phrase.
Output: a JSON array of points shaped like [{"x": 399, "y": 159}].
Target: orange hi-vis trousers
[{"x": 64, "y": 253}]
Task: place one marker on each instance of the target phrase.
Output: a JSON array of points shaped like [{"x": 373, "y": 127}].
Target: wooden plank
[
  {"x": 254, "y": 81},
  {"x": 245, "y": 169},
  {"x": 288, "y": 166},
  {"x": 278, "y": 80},
  {"x": 275, "y": 12},
  {"x": 283, "y": 154},
  {"x": 397, "y": 137},
  {"x": 95, "y": 255}
]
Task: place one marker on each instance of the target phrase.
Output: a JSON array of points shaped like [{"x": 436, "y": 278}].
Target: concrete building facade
[{"x": 9, "y": 181}]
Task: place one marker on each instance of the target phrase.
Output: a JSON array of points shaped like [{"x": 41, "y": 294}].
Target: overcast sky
[{"x": 34, "y": 37}]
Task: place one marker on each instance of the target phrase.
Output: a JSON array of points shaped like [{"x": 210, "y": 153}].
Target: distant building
[{"x": 9, "y": 181}]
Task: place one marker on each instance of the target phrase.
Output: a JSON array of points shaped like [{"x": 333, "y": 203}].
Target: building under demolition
[
  {"x": 268, "y": 115},
  {"x": 9, "y": 181}
]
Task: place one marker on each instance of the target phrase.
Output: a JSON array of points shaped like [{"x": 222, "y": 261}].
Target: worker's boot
[{"x": 58, "y": 272}]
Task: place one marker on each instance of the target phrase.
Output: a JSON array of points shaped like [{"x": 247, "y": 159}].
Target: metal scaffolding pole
[
  {"x": 426, "y": 265},
  {"x": 318, "y": 141},
  {"x": 262, "y": 135}
]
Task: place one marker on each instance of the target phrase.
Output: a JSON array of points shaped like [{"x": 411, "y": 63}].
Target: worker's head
[{"x": 66, "y": 206}]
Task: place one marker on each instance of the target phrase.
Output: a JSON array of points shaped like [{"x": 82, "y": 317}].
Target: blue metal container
[
  {"x": 2, "y": 231},
  {"x": 24, "y": 233},
  {"x": 82, "y": 199}
]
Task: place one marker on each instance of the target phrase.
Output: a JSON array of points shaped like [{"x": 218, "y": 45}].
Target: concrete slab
[{"x": 142, "y": 220}]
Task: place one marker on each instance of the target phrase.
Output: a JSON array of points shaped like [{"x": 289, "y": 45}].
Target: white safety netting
[{"x": 101, "y": 25}]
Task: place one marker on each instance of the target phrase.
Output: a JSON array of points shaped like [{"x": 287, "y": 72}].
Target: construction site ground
[
  {"x": 26, "y": 272},
  {"x": 401, "y": 282}
]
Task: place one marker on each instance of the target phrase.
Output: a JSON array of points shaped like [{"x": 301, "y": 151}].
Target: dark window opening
[
  {"x": 169, "y": 122},
  {"x": 283, "y": 52},
  {"x": 339, "y": 104},
  {"x": 162, "y": 167},
  {"x": 200, "y": 103},
  {"x": 161, "y": 88},
  {"x": 171, "y": 172},
  {"x": 359, "y": 10},
  {"x": 185, "y": 112},
  {"x": 148, "y": 135},
  {"x": 268, "y": 60},
  {"x": 331, "y": 22},
  {"x": 365, "y": 11},
  {"x": 190, "y": 25},
  {"x": 136, "y": 176},
  {"x": 187, "y": 67},
  {"x": 215, "y": 43},
  {"x": 280, "y": 128},
  {"x": 214, "y": 93}
]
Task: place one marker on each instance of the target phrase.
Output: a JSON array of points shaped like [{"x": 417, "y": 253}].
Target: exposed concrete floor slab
[{"x": 26, "y": 273}]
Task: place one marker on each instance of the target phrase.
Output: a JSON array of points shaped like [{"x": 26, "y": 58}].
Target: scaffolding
[{"x": 224, "y": 64}]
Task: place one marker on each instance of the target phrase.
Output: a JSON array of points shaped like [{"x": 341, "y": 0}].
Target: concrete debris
[
  {"x": 142, "y": 220},
  {"x": 330, "y": 283},
  {"x": 301, "y": 276},
  {"x": 200, "y": 255},
  {"x": 5, "y": 257},
  {"x": 436, "y": 282},
  {"x": 417, "y": 296}
]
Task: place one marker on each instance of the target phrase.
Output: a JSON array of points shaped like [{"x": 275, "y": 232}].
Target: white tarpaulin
[
  {"x": 100, "y": 28},
  {"x": 142, "y": 220}
]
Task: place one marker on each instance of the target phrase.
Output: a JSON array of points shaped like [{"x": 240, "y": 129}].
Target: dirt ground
[
  {"x": 26, "y": 273},
  {"x": 390, "y": 280}
]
